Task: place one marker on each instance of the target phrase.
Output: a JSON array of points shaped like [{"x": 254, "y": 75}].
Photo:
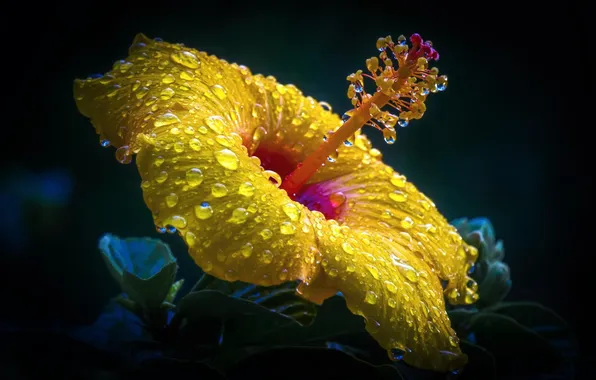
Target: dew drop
[
  {"x": 287, "y": 228},
  {"x": 177, "y": 221},
  {"x": 326, "y": 106},
  {"x": 219, "y": 91},
  {"x": 247, "y": 189},
  {"x": 219, "y": 190},
  {"x": 169, "y": 78},
  {"x": 407, "y": 223},
  {"x": 398, "y": 180},
  {"x": 246, "y": 250},
  {"x": 337, "y": 199},
  {"x": 402, "y": 123},
  {"x": 203, "y": 211},
  {"x": 292, "y": 211},
  {"x": 231, "y": 275},
  {"x": 161, "y": 177},
  {"x": 398, "y": 196},
  {"x": 370, "y": 298},
  {"x": 141, "y": 92},
  {"x": 195, "y": 144},
  {"x": 273, "y": 177},
  {"x": 190, "y": 238},
  {"x": 171, "y": 200},
  {"x": 389, "y": 135},
  {"x": 266, "y": 257},
  {"x": 239, "y": 216},
  {"x": 216, "y": 123},
  {"x": 391, "y": 303},
  {"x": 350, "y": 268},
  {"x": 179, "y": 147},
  {"x": 160, "y": 229},
  {"x": 208, "y": 267},
  {"x": 194, "y": 177},
  {"x": 185, "y": 58},
  {"x": 167, "y": 94},
  {"x": 266, "y": 234},
  {"x": 167, "y": 118},
  {"x": 170, "y": 229},
  {"x": 227, "y": 159},
  {"x": 373, "y": 271},
  {"x": 104, "y": 143},
  {"x": 347, "y": 248},
  {"x": 391, "y": 287},
  {"x": 283, "y": 275},
  {"x": 333, "y": 272},
  {"x": 223, "y": 140},
  {"x": 123, "y": 155}
]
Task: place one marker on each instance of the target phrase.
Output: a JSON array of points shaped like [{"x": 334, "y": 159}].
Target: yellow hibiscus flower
[{"x": 267, "y": 185}]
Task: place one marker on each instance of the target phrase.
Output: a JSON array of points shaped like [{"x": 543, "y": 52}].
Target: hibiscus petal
[{"x": 377, "y": 198}]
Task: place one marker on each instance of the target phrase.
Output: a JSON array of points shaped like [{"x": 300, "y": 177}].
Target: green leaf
[
  {"x": 144, "y": 268},
  {"x": 281, "y": 299},
  {"x": 460, "y": 320},
  {"x": 174, "y": 289},
  {"x": 543, "y": 321},
  {"x": 150, "y": 293},
  {"x": 481, "y": 363},
  {"x": 316, "y": 362},
  {"x": 517, "y": 349}
]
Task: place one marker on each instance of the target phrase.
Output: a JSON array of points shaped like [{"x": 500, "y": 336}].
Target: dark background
[{"x": 505, "y": 141}]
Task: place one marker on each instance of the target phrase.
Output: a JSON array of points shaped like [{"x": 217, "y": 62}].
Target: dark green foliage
[{"x": 237, "y": 330}]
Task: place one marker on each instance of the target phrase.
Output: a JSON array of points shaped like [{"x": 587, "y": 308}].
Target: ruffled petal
[{"x": 375, "y": 197}]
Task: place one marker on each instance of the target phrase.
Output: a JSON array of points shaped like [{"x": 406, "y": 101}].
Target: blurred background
[{"x": 503, "y": 141}]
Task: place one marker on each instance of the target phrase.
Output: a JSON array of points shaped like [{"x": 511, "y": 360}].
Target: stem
[
  {"x": 296, "y": 179},
  {"x": 203, "y": 282}
]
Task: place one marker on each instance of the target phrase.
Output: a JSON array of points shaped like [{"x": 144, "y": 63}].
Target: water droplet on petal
[
  {"x": 167, "y": 118},
  {"x": 172, "y": 200},
  {"x": 161, "y": 177},
  {"x": 216, "y": 123},
  {"x": 347, "y": 248},
  {"x": 287, "y": 228},
  {"x": 407, "y": 223},
  {"x": 247, "y": 189},
  {"x": 104, "y": 143},
  {"x": 398, "y": 196},
  {"x": 123, "y": 155},
  {"x": 194, "y": 177},
  {"x": 337, "y": 199},
  {"x": 292, "y": 211},
  {"x": 370, "y": 298},
  {"x": 219, "y": 190},
  {"x": 227, "y": 159},
  {"x": 203, "y": 211},
  {"x": 185, "y": 58},
  {"x": 190, "y": 238},
  {"x": 246, "y": 250},
  {"x": 273, "y": 177},
  {"x": 266, "y": 234},
  {"x": 398, "y": 180},
  {"x": 266, "y": 257},
  {"x": 219, "y": 91},
  {"x": 169, "y": 78},
  {"x": 391, "y": 287},
  {"x": 195, "y": 144},
  {"x": 239, "y": 216}
]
